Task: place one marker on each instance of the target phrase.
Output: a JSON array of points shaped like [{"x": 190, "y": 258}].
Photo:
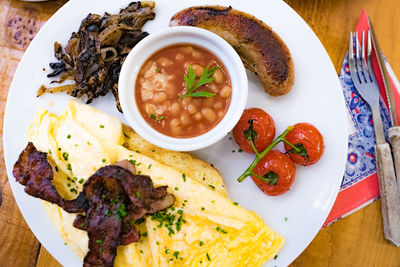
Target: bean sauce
[{"x": 160, "y": 86}]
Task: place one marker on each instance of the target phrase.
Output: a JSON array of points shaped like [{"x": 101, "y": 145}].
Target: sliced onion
[
  {"x": 112, "y": 34},
  {"x": 104, "y": 53},
  {"x": 68, "y": 88}
]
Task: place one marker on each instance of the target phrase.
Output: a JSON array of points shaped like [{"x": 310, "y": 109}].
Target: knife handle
[
  {"x": 394, "y": 137},
  {"x": 390, "y": 198}
]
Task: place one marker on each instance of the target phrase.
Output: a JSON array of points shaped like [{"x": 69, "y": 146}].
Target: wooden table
[{"x": 354, "y": 241}]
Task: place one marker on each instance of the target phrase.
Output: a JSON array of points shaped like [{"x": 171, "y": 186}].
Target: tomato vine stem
[{"x": 259, "y": 156}]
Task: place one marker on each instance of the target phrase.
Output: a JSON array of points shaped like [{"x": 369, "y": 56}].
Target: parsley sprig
[{"x": 190, "y": 78}]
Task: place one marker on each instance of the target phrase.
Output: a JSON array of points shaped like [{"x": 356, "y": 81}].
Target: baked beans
[{"x": 160, "y": 87}]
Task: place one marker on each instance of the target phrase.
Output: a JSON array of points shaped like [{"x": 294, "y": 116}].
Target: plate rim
[{"x": 13, "y": 184}]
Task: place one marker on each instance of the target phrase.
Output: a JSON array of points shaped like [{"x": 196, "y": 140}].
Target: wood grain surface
[{"x": 356, "y": 240}]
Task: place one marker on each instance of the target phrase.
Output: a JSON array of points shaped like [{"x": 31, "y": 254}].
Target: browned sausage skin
[{"x": 261, "y": 50}]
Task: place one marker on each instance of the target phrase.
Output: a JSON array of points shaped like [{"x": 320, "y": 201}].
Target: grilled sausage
[{"x": 261, "y": 50}]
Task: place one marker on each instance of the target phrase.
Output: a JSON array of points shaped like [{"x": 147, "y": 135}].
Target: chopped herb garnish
[
  {"x": 206, "y": 77},
  {"x": 133, "y": 162},
  {"x": 69, "y": 167},
  {"x": 218, "y": 228},
  {"x": 82, "y": 225},
  {"x": 233, "y": 151},
  {"x": 176, "y": 188},
  {"x": 158, "y": 70},
  {"x": 100, "y": 249},
  {"x": 88, "y": 143},
  {"x": 56, "y": 168},
  {"x": 235, "y": 203},
  {"x": 286, "y": 219},
  {"x": 68, "y": 136},
  {"x": 184, "y": 177},
  {"x": 81, "y": 181},
  {"x": 223, "y": 231},
  {"x": 103, "y": 160},
  {"x": 59, "y": 149},
  {"x": 208, "y": 257},
  {"x": 139, "y": 164},
  {"x": 65, "y": 156},
  {"x": 73, "y": 190},
  {"x": 201, "y": 243},
  {"x": 107, "y": 212},
  {"x": 141, "y": 251},
  {"x": 68, "y": 184},
  {"x": 149, "y": 166},
  {"x": 202, "y": 208},
  {"x": 157, "y": 243},
  {"x": 65, "y": 243},
  {"x": 144, "y": 234},
  {"x": 139, "y": 172},
  {"x": 170, "y": 231},
  {"x": 176, "y": 253},
  {"x": 98, "y": 241},
  {"x": 137, "y": 194},
  {"x": 167, "y": 251},
  {"x": 121, "y": 212},
  {"x": 169, "y": 220},
  {"x": 240, "y": 150},
  {"x": 154, "y": 117},
  {"x": 153, "y": 150},
  {"x": 50, "y": 151},
  {"x": 103, "y": 196},
  {"x": 276, "y": 256},
  {"x": 211, "y": 186},
  {"x": 101, "y": 126}
]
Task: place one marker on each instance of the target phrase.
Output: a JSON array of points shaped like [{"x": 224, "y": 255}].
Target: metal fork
[{"x": 364, "y": 80}]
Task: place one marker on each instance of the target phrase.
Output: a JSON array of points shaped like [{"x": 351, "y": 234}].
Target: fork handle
[
  {"x": 394, "y": 137},
  {"x": 390, "y": 198}
]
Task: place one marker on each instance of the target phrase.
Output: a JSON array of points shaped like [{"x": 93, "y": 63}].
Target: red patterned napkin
[{"x": 360, "y": 183}]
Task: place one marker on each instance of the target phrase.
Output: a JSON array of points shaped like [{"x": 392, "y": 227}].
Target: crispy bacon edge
[{"x": 111, "y": 199}]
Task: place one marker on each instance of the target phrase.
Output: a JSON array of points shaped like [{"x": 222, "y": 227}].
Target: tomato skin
[
  {"x": 263, "y": 124},
  {"x": 282, "y": 165},
  {"x": 312, "y": 140}
]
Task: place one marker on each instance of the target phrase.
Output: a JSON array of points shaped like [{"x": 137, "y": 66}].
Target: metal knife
[{"x": 394, "y": 131}]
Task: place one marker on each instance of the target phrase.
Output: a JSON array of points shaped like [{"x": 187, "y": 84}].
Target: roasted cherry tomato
[
  {"x": 306, "y": 137},
  {"x": 279, "y": 169},
  {"x": 263, "y": 125}
]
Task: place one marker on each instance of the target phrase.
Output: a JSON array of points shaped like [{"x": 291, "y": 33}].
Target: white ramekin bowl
[{"x": 182, "y": 35}]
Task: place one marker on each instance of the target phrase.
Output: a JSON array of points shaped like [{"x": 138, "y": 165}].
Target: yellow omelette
[{"x": 212, "y": 230}]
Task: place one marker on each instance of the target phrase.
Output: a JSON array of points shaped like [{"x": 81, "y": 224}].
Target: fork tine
[
  {"x": 351, "y": 46},
  {"x": 363, "y": 46},
  {"x": 352, "y": 62},
  {"x": 369, "y": 49},
  {"x": 359, "y": 65},
  {"x": 366, "y": 70},
  {"x": 357, "y": 48},
  {"x": 369, "y": 57}
]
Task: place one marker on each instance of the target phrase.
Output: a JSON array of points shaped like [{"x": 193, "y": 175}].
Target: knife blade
[
  {"x": 385, "y": 77},
  {"x": 394, "y": 131}
]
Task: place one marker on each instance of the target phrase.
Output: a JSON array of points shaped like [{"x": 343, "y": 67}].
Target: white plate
[{"x": 316, "y": 98}]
